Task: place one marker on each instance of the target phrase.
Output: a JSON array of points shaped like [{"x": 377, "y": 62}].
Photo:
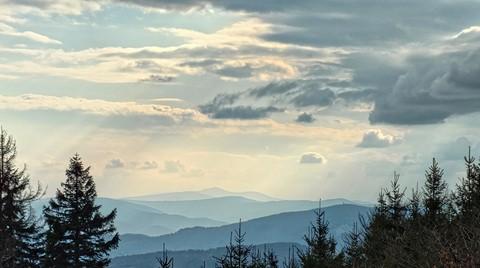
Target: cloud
[
  {"x": 155, "y": 78},
  {"x": 173, "y": 167},
  {"x": 124, "y": 112},
  {"x": 281, "y": 96},
  {"x": 114, "y": 164},
  {"x": 312, "y": 158},
  {"x": 305, "y": 118},
  {"x": 434, "y": 88},
  {"x": 454, "y": 150},
  {"x": 314, "y": 97},
  {"x": 149, "y": 165},
  {"x": 10, "y": 31},
  {"x": 375, "y": 138},
  {"x": 243, "y": 112}
]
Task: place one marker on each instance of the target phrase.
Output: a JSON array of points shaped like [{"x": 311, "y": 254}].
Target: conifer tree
[
  {"x": 78, "y": 235},
  {"x": 435, "y": 194},
  {"x": 265, "y": 259},
  {"x": 291, "y": 260},
  {"x": 237, "y": 253},
  {"x": 165, "y": 261},
  {"x": 321, "y": 249},
  {"x": 468, "y": 191},
  {"x": 414, "y": 206},
  {"x": 395, "y": 205},
  {"x": 353, "y": 249},
  {"x": 19, "y": 240}
]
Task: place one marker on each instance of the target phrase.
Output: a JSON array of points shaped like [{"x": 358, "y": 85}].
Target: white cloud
[
  {"x": 312, "y": 158},
  {"x": 154, "y": 112},
  {"x": 10, "y": 31},
  {"x": 375, "y": 138}
]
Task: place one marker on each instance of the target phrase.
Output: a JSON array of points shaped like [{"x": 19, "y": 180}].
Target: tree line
[
  {"x": 430, "y": 226},
  {"x": 71, "y": 232}
]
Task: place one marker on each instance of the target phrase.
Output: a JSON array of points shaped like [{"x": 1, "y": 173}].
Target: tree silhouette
[
  {"x": 320, "y": 251},
  {"x": 78, "y": 235},
  {"x": 165, "y": 261},
  {"x": 19, "y": 239},
  {"x": 435, "y": 194}
]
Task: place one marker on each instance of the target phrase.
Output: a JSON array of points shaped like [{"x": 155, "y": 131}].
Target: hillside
[
  {"x": 285, "y": 227},
  {"x": 231, "y": 208},
  {"x": 141, "y": 219},
  {"x": 192, "y": 258}
]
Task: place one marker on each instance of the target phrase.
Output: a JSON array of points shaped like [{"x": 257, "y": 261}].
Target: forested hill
[
  {"x": 195, "y": 258},
  {"x": 285, "y": 227}
]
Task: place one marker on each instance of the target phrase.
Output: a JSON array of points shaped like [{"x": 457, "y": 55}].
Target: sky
[{"x": 296, "y": 99}]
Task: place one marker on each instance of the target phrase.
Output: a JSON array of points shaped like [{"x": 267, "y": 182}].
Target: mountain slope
[
  {"x": 202, "y": 194},
  {"x": 141, "y": 219},
  {"x": 231, "y": 208},
  {"x": 193, "y": 258},
  {"x": 285, "y": 227}
]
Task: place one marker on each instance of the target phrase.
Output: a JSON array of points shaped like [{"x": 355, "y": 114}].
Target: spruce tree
[
  {"x": 395, "y": 204},
  {"x": 353, "y": 249},
  {"x": 435, "y": 194},
  {"x": 165, "y": 261},
  {"x": 291, "y": 260},
  {"x": 78, "y": 235},
  {"x": 237, "y": 253},
  {"x": 321, "y": 249},
  {"x": 19, "y": 240},
  {"x": 467, "y": 196}
]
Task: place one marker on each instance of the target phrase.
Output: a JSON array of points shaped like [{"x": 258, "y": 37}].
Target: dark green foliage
[
  {"x": 354, "y": 256},
  {"x": 435, "y": 194},
  {"x": 78, "y": 235},
  {"x": 321, "y": 247},
  {"x": 165, "y": 261},
  {"x": 237, "y": 253},
  {"x": 19, "y": 239},
  {"x": 291, "y": 260}
]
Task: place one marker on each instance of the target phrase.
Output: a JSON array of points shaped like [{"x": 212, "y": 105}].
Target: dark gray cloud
[
  {"x": 244, "y": 71},
  {"x": 305, "y": 118},
  {"x": 243, "y": 112},
  {"x": 297, "y": 94},
  {"x": 314, "y": 97},
  {"x": 367, "y": 95},
  {"x": 432, "y": 90},
  {"x": 155, "y": 78},
  {"x": 345, "y": 23},
  {"x": 275, "y": 88}
]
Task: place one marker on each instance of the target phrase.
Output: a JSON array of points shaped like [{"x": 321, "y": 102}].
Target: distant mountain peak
[{"x": 208, "y": 193}]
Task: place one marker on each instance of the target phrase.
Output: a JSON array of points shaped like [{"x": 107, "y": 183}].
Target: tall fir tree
[
  {"x": 435, "y": 194},
  {"x": 467, "y": 197},
  {"x": 19, "y": 240},
  {"x": 165, "y": 261},
  {"x": 237, "y": 253},
  {"x": 353, "y": 248},
  {"x": 78, "y": 235},
  {"x": 321, "y": 247}
]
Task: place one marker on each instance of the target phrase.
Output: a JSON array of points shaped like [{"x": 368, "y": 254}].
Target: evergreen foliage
[
  {"x": 78, "y": 235},
  {"x": 19, "y": 230},
  {"x": 165, "y": 261}
]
